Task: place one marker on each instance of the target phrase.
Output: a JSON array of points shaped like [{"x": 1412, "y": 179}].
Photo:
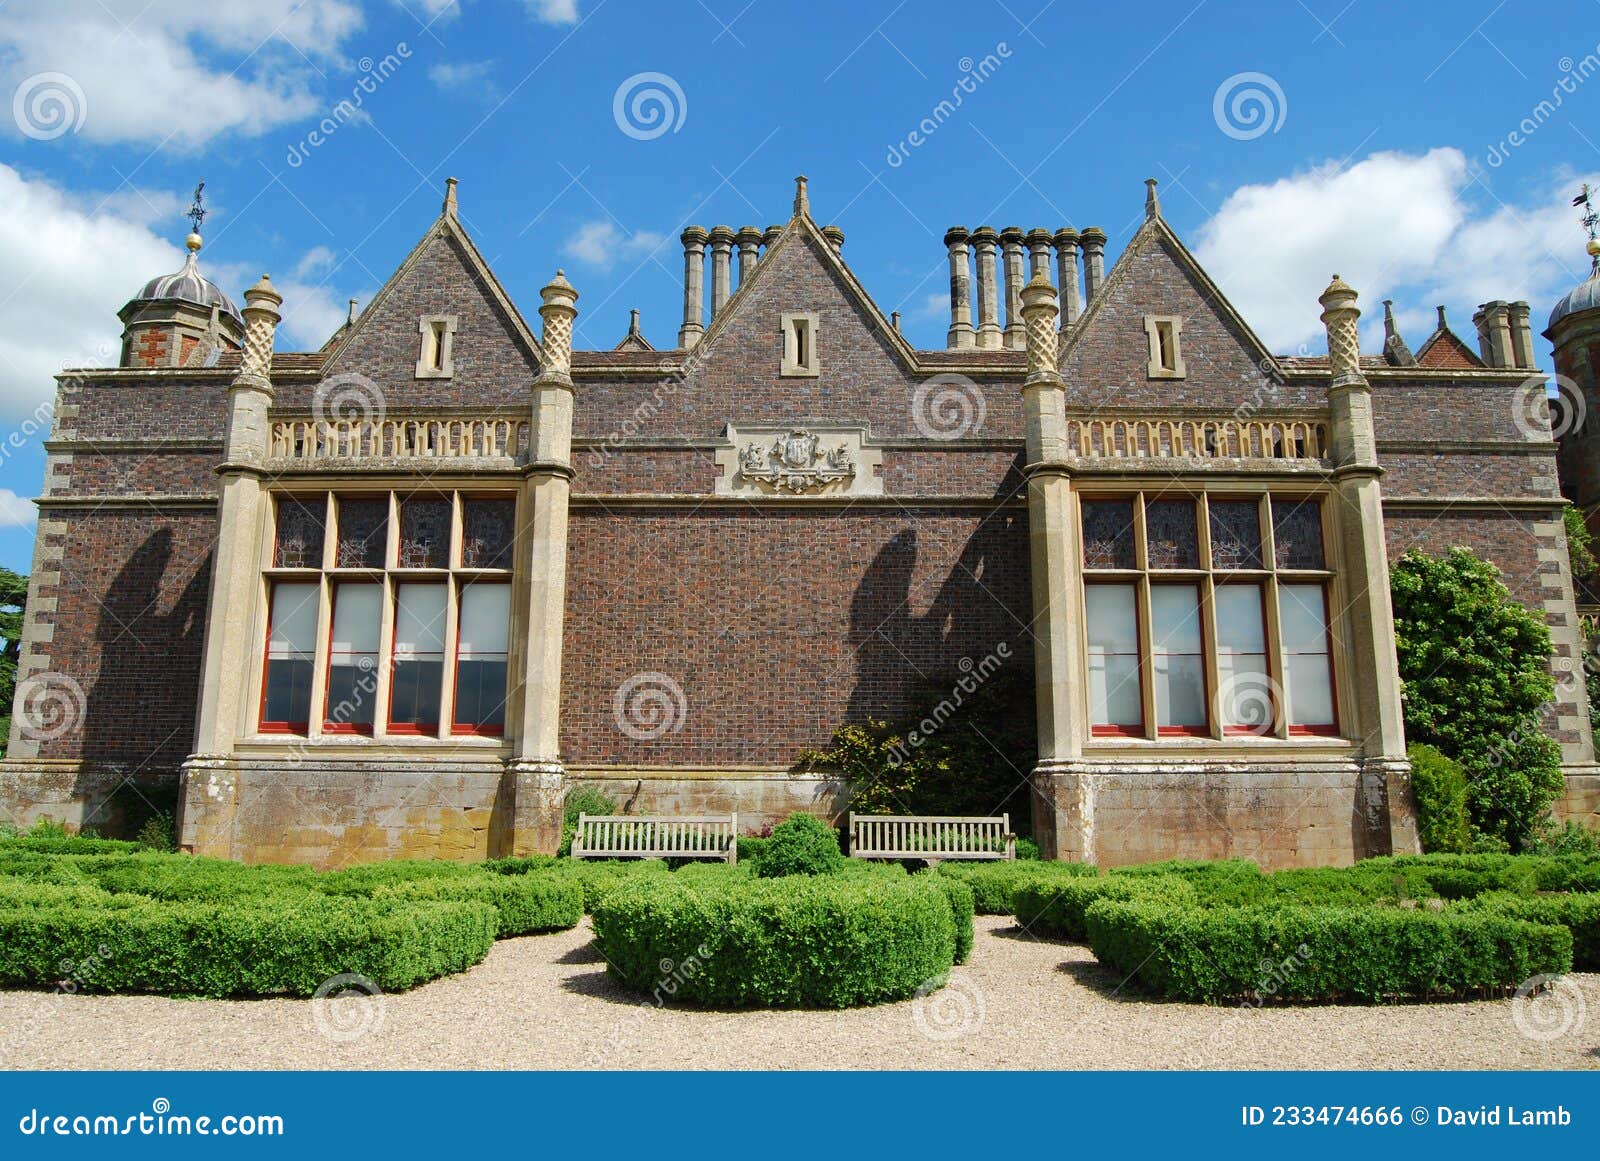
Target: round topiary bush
[
  {"x": 821, "y": 942},
  {"x": 801, "y": 845}
]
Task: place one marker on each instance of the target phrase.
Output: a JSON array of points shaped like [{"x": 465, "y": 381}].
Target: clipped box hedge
[
  {"x": 1319, "y": 953},
  {"x": 994, "y": 884},
  {"x": 827, "y": 941},
  {"x": 1578, "y": 913},
  {"x": 247, "y": 947},
  {"x": 525, "y": 904},
  {"x": 1060, "y": 907},
  {"x": 960, "y": 898}
]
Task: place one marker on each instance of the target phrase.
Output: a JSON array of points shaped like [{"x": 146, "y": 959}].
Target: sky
[{"x": 1427, "y": 152}]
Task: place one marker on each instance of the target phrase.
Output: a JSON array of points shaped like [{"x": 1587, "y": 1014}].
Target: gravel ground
[{"x": 545, "y": 1002}]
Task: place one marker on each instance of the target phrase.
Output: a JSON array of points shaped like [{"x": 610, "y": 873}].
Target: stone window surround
[
  {"x": 454, "y": 577},
  {"x": 436, "y": 356},
  {"x": 1153, "y": 327},
  {"x": 792, "y": 323},
  {"x": 1213, "y": 735}
]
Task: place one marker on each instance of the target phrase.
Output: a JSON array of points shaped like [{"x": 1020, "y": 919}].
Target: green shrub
[
  {"x": 818, "y": 941},
  {"x": 1475, "y": 681},
  {"x": 1200, "y": 872},
  {"x": 993, "y": 884},
  {"x": 1319, "y": 953},
  {"x": 1569, "y": 838},
  {"x": 1440, "y": 787},
  {"x": 61, "y": 843},
  {"x": 599, "y": 877},
  {"x": 365, "y": 878},
  {"x": 751, "y": 849},
  {"x": 582, "y": 800},
  {"x": 525, "y": 903},
  {"x": 159, "y": 832},
  {"x": 518, "y": 864},
  {"x": 961, "y": 911},
  {"x": 183, "y": 878},
  {"x": 1027, "y": 849},
  {"x": 1578, "y": 913},
  {"x": 1059, "y": 907},
  {"x": 259, "y": 947},
  {"x": 801, "y": 845}
]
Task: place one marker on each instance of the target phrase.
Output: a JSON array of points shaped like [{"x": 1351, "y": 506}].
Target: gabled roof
[
  {"x": 1444, "y": 351},
  {"x": 1154, "y": 232},
  {"x": 802, "y": 228},
  {"x": 447, "y": 225},
  {"x": 634, "y": 340}
]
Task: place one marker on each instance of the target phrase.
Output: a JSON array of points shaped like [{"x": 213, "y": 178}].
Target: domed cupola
[{"x": 181, "y": 319}]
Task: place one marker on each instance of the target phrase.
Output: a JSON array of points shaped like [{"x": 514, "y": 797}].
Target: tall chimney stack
[
  {"x": 1094, "y": 262},
  {"x": 721, "y": 268},
  {"x": 1038, "y": 253},
  {"x": 961, "y": 333},
  {"x": 1066, "y": 240},
  {"x": 1493, "y": 320},
  {"x": 983, "y": 245},
  {"x": 1016, "y": 338},
  {"x": 749, "y": 240},
  {"x": 694, "y": 292},
  {"x": 1522, "y": 352}
]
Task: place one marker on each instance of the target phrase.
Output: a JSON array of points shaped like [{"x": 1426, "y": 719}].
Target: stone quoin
[{"x": 397, "y": 596}]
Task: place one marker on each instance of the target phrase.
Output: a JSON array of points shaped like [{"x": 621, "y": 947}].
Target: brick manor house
[{"x": 396, "y": 596}]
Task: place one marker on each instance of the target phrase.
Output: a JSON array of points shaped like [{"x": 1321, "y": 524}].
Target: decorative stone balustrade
[
  {"x": 1129, "y": 438},
  {"x": 398, "y": 439}
]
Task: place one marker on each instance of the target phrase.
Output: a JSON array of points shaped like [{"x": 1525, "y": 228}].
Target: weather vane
[
  {"x": 197, "y": 212},
  {"x": 1591, "y": 223}
]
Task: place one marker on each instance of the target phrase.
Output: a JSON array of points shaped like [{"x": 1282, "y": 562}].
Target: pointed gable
[
  {"x": 1105, "y": 358},
  {"x": 494, "y": 354},
  {"x": 1444, "y": 351}
]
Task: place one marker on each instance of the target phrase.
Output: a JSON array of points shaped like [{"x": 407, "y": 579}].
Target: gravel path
[{"x": 545, "y": 1002}]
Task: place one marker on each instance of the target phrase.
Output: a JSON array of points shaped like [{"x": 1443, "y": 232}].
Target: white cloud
[
  {"x": 70, "y": 265},
  {"x": 1394, "y": 225},
  {"x": 469, "y": 75},
  {"x": 16, "y": 511},
  {"x": 171, "y": 71},
  {"x": 601, "y": 244},
  {"x": 554, "y": 11}
]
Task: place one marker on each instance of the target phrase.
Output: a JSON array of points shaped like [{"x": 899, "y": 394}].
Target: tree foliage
[
  {"x": 1476, "y": 683},
  {"x": 13, "y": 601}
]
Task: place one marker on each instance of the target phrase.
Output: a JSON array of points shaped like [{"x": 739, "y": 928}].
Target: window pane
[
  {"x": 487, "y": 530},
  {"x": 363, "y": 533},
  {"x": 481, "y": 656},
  {"x": 419, "y": 625},
  {"x": 425, "y": 534},
  {"x": 1170, "y": 534},
  {"x": 1114, "y": 697},
  {"x": 291, "y": 650},
  {"x": 1302, "y": 614},
  {"x": 1108, "y": 534},
  {"x": 1297, "y": 532},
  {"x": 300, "y": 524},
  {"x": 1235, "y": 534},
  {"x": 1179, "y": 668},
  {"x": 353, "y": 655},
  {"x": 485, "y": 618},
  {"x": 1245, "y": 702}
]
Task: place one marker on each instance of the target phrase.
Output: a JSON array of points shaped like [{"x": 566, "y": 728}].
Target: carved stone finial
[
  {"x": 1039, "y": 308},
  {"x": 557, "y": 312},
  {"x": 1340, "y": 316},
  {"x": 802, "y": 201},
  {"x": 449, "y": 207},
  {"x": 1152, "y": 200}
]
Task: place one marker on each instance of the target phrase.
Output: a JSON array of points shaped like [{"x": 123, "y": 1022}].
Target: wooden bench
[
  {"x": 641, "y": 836},
  {"x": 931, "y": 838}
]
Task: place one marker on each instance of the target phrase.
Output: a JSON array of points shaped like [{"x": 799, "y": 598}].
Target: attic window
[
  {"x": 436, "y": 359},
  {"x": 1166, "y": 353},
  {"x": 799, "y": 344}
]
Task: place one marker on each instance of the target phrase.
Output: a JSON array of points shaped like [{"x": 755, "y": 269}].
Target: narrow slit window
[
  {"x": 1166, "y": 352},
  {"x": 799, "y": 344}
]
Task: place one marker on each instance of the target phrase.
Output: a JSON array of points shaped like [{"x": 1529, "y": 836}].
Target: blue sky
[{"x": 1291, "y": 140}]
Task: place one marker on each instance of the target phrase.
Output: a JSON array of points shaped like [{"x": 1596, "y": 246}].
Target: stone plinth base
[
  {"x": 109, "y": 800},
  {"x": 331, "y": 813},
  {"x": 1304, "y": 813},
  {"x": 762, "y": 797},
  {"x": 1581, "y": 802}
]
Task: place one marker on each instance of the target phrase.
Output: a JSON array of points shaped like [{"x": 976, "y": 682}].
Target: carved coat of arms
[{"x": 795, "y": 462}]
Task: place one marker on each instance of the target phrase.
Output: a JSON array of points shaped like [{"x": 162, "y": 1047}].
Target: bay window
[
  {"x": 1207, "y": 615},
  {"x": 388, "y": 614}
]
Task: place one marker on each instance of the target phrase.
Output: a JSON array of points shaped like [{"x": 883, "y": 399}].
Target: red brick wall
[{"x": 779, "y": 624}]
